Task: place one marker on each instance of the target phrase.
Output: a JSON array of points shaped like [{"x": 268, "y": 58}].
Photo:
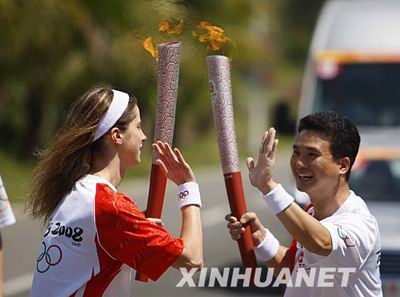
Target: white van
[{"x": 353, "y": 68}]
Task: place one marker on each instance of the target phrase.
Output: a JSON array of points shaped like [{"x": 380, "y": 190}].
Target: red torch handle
[
  {"x": 155, "y": 201},
  {"x": 237, "y": 203}
]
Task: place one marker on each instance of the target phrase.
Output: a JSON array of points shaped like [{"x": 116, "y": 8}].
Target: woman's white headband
[{"x": 117, "y": 107}]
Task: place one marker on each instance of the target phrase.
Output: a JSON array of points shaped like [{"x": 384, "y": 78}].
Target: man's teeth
[{"x": 304, "y": 177}]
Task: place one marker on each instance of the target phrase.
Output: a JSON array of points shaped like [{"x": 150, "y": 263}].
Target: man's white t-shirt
[
  {"x": 355, "y": 245},
  {"x": 6, "y": 214}
]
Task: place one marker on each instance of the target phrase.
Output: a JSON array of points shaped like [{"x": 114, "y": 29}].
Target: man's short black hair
[{"x": 342, "y": 133}]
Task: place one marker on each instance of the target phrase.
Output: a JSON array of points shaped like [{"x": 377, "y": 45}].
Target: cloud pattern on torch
[
  {"x": 167, "y": 91},
  {"x": 221, "y": 98}
]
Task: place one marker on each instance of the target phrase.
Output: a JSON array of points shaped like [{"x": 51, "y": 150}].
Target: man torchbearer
[{"x": 337, "y": 230}]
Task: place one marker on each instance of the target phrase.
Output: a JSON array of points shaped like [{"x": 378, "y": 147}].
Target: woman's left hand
[{"x": 173, "y": 164}]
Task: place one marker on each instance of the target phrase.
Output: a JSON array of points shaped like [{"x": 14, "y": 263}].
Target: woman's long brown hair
[{"x": 69, "y": 157}]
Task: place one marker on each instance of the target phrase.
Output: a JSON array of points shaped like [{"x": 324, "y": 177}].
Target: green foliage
[
  {"x": 297, "y": 20},
  {"x": 16, "y": 176},
  {"x": 53, "y": 51}
]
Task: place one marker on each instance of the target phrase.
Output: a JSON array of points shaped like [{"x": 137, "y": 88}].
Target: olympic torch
[
  {"x": 167, "y": 91},
  {"x": 221, "y": 98}
]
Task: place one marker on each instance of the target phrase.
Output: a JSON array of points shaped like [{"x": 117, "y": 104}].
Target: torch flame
[
  {"x": 167, "y": 27},
  {"x": 148, "y": 45},
  {"x": 215, "y": 35}
]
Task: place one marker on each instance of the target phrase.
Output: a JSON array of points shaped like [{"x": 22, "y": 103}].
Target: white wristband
[
  {"x": 188, "y": 194},
  {"x": 278, "y": 199},
  {"x": 267, "y": 249}
]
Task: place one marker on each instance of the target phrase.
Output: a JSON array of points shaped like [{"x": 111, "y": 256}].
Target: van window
[
  {"x": 377, "y": 180},
  {"x": 369, "y": 94}
]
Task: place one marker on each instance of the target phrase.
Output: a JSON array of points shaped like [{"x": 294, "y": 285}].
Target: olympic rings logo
[
  {"x": 50, "y": 256},
  {"x": 182, "y": 195}
]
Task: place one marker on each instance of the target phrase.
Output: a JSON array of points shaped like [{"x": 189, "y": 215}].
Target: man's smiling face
[{"x": 313, "y": 166}]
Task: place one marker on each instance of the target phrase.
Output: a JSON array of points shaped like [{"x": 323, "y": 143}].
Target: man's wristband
[
  {"x": 188, "y": 194},
  {"x": 278, "y": 199},
  {"x": 267, "y": 249}
]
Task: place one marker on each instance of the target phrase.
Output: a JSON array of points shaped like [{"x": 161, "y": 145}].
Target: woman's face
[{"x": 133, "y": 138}]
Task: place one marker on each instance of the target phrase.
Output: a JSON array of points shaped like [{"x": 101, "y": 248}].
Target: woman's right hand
[{"x": 173, "y": 164}]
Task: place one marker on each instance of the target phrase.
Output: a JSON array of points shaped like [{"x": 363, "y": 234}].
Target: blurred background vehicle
[
  {"x": 376, "y": 178},
  {"x": 353, "y": 68}
]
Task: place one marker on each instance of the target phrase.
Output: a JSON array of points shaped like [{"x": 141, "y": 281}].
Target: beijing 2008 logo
[{"x": 50, "y": 256}]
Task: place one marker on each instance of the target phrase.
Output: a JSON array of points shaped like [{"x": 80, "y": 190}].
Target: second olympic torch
[
  {"x": 167, "y": 91},
  {"x": 221, "y": 97}
]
